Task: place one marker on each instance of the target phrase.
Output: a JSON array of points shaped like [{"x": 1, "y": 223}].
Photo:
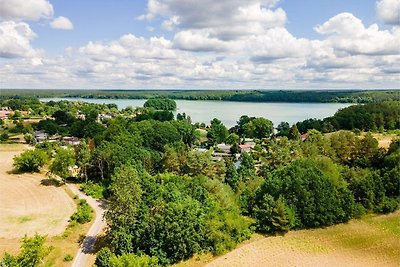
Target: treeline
[
  {"x": 37, "y": 108},
  {"x": 369, "y": 117},
  {"x": 160, "y": 104},
  {"x": 308, "y": 96}
]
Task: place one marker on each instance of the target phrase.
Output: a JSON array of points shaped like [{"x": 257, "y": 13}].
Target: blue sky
[{"x": 200, "y": 44}]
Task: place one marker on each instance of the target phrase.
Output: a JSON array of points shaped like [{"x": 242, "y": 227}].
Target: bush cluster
[
  {"x": 31, "y": 160},
  {"x": 84, "y": 213}
]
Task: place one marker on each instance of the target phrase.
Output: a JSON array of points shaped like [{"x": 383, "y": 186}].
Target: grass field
[
  {"x": 370, "y": 241},
  {"x": 28, "y": 207}
]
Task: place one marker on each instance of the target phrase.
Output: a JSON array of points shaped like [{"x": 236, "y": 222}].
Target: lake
[{"x": 230, "y": 112}]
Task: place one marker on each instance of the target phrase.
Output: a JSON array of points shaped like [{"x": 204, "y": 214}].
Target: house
[
  {"x": 105, "y": 116},
  {"x": 70, "y": 140},
  {"x": 81, "y": 116},
  {"x": 5, "y": 112},
  {"x": 201, "y": 150},
  {"x": 219, "y": 156},
  {"x": 246, "y": 147},
  {"x": 53, "y": 138},
  {"x": 225, "y": 148},
  {"x": 251, "y": 143},
  {"x": 304, "y": 137},
  {"x": 40, "y": 137}
]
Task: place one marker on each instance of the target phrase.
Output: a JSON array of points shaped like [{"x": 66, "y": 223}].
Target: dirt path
[
  {"x": 27, "y": 206},
  {"x": 99, "y": 224}
]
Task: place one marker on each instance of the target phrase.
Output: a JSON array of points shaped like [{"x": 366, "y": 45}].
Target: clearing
[
  {"x": 27, "y": 206},
  {"x": 384, "y": 139},
  {"x": 370, "y": 241}
]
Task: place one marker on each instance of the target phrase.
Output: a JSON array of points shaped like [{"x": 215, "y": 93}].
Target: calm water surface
[{"x": 230, "y": 112}]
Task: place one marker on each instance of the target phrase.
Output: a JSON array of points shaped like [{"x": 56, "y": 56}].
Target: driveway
[{"x": 99, "y": 224}]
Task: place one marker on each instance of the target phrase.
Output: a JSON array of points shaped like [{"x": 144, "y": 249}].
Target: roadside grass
[
  {"x": 94, "y": 190},
  {"x": 389, "y": 223},
  {"x": 67, "y": 244}
]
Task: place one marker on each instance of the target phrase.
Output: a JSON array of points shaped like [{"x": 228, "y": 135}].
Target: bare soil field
[
  {"x": 371, "y": 241},
  {"x": 27, "y": 206}
]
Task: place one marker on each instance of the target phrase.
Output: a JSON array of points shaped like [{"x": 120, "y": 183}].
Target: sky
[{"x": 192, "y": 44}]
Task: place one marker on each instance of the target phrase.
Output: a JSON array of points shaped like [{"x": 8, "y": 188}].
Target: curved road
[{"x": 99, "y": 224}]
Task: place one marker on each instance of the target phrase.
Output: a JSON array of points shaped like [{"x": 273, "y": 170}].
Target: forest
[
  {"x": 291, "y": 96},
  {"x": 169, "y": 200}
]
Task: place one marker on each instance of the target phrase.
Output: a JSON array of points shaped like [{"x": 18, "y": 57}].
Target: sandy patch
[{"x": 26, "y": 206}]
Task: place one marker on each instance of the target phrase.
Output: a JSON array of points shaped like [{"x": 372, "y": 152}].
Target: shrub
[
  {"x": 103, "y": 257},
  {"x": 83, "y": 213},
  {"x": 68, "y": 258},
  {"x": 359, "y": 210},
  {"x": 31, "y": 160},
  {"x": 132, "y": 260},
  {"x": 4, "y": 137},
  {"x": 93, "y": 189},
  {"x": 387, "y": 205}
]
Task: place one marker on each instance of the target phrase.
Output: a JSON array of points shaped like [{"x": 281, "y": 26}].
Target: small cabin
[
  {"x": 70, "y": 140},
  {"x": 40, "y": 137}
]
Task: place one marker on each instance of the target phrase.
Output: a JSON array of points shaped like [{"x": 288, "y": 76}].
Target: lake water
[{"x": 230, "y": 112}]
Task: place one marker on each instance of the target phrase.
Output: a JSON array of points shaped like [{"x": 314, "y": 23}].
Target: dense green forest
[
  {"x": 168, "y": 200},
  {"x": 160, "y": 104},
  {"x": 372, "y": 117},
  {"x": 317, "y": 96}
]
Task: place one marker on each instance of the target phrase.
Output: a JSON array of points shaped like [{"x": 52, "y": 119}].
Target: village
[{"x": 10, "y": 118}]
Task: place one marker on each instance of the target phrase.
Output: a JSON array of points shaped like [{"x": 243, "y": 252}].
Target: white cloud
[
  {"x": 347, "y": 33},
  {"x": 25, "y": 9},
  {"x": 62, "y": 23},
  {"x": 130, "y": 47},
  {"x": 170, "y": 23},
  {"x": 274, "y": 44},
  {"x": 225, "y": 20},
  {"x": 345, "y": 24},
  {"x": 15, "y": 40},
  {"x": 198, "y": 41},
  {"x": 215, "y": 44},
  {"x": 389, "y": 11}
]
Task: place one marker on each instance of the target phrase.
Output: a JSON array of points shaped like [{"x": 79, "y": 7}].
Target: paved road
[{"x": 99, "y": 224}]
